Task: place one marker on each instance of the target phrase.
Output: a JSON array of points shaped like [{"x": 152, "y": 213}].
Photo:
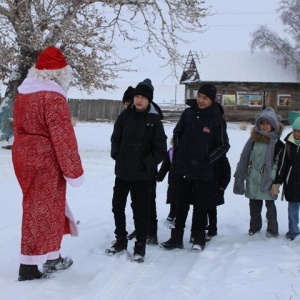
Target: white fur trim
[
  {"x": 38, "y": 259},
  {"x": 72, "y": 221},
  {"x": 62, "y": 77},
  {"x": 33, "y": 85},
  {"x": 75, "y": 182}
]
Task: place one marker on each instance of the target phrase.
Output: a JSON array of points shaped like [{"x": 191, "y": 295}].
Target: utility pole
[
  {"x": 175, "y": 93},
  {"x": 264, "y": 100}
]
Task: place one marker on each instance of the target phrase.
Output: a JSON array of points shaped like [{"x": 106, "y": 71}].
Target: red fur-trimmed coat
[{"x": 45, "y": 156}]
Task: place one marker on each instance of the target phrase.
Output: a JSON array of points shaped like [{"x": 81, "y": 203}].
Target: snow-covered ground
[{"x": 233, "y": 266}]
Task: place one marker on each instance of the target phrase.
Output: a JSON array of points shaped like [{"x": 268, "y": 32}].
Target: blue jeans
[{"x": 293, "y": 213}]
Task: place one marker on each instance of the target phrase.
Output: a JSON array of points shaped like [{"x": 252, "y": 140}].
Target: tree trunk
[{"x": 6, "y": 108}]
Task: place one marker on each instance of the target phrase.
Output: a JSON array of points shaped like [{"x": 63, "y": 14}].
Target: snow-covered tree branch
[
  {"x": 87, "y": 31},
  {"x": 288, "y": 48}
]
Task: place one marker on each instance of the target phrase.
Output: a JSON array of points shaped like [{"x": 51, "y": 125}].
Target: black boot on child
[
  {"x": 119, "y": 245},
  {"x": 199, "y": 240},
  {"x": 176, "y": 240},
  {"x": 139, "y": 252}
]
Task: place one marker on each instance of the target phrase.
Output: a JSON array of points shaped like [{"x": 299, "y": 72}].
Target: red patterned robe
[{"x": 45, "y": 156}]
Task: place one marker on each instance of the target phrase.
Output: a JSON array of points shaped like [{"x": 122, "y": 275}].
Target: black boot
[
  {"x": 176, "y": 240},
  {"x": 132, "y": 235},
  {"x": 139, "y": 252},
  {"x": 30, "y": 272},
  {"x": 152, "y": 239},
  {"x": 118, "y": 246},
  {"x": 210, "y": 235},
  {"x": 199, "y": 240}
]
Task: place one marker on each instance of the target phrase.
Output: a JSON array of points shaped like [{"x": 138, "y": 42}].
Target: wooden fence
[
  {"x": 95, "y": 110},
  {"x": 108, "y": 110}
]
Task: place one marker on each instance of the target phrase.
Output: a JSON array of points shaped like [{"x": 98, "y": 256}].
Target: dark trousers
[
  {"x": 212, "y": 220},
  {"x": 197, "y": 193},
  {"x": 152, "y": 225},
  {"x": 173, "y": 211},
  {"x": 140, "y": 192},
  {"x": 255, "y": 216}
]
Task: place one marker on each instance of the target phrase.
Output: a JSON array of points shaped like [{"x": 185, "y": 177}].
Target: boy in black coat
[
  {"x": 138, "y": 145},
  {"x": 152, "y": 227},
  {"x": 200, "y": 139},
  {"x": 128, "y": 97}
]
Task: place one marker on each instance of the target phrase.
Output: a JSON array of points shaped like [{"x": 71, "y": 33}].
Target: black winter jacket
[
  {"x": 288, "y": 171},
  {"x": 221, "y": 179},
  {"x": 200, "y": 139},
  {"x": 138, "y": 144}
]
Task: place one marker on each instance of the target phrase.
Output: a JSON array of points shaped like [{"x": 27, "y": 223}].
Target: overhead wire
[
  {"x": 246, "y": 13},
  {"x": 243, "y": 13}
]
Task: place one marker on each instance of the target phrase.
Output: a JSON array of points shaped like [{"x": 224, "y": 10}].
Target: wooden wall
[{"x": 245, "y": 113}]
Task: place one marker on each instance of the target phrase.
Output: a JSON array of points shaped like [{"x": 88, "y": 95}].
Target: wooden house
[{"x": 246, "y": 82}]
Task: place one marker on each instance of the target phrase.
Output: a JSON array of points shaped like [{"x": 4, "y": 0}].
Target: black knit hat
[
  {"x": 145, "y": 88},
  {"x": 209, "y": 90},
  {"x": 128, "y": 95}
]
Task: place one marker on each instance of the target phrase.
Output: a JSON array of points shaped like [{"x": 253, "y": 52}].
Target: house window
[
  {"x": 249, "y": 99},
  {"x": 284, "y": 100},
  {"x": 195, "y": 94},
  {"x": 228, "y": 99}
]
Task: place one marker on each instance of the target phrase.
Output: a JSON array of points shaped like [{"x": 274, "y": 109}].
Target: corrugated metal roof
[{"x": 242, "y": 66}]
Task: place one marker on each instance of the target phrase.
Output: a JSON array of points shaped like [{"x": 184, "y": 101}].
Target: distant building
[{"x": 246, "y": 82}]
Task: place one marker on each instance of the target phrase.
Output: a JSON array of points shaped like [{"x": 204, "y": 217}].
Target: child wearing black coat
[{"x": 288, "y": 174}]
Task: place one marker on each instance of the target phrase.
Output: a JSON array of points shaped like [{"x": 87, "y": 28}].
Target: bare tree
[
  {"x": 287, "y": 48},
  {"x": 87, "y": 31}
]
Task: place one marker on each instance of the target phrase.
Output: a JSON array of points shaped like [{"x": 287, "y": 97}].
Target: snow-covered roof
[{"x": 240, "y": 66}]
